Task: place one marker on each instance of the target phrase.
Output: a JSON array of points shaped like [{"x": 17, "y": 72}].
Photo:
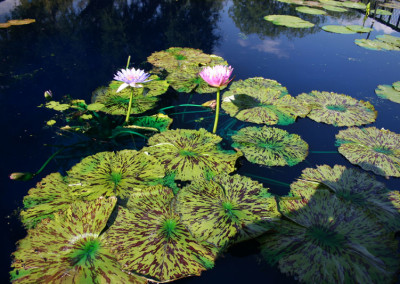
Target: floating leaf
[
  {"x": 270, "y": 146},
  {"x": 95, "y": 106},
  {"x": 326, "y": 242},
  {"x": 115, "y": 173},
  {"x": 69, "y": 249},
  {"x": 396, "y": 86},
  {"x": 338, "y": 29},
  {"x": 57, "y": 106},
  {"x": 389, "y": 39},
  {"x": 338, "y": 109},
  {"x": 373, "y": 149},
  {"x": 381, "y": 12},
  {"x": 21, "y": 22},
  {"x": 388, "y": 92},
  {"x": 51, "y": 122},
  {"x": 308, "y": 10},
  {"x": 159, "y": 121},
  {"x": 358, "y": 188},
  {"x": 359, "y": 29},
  {"x": 260, "y": 100},
  {"x": 288, "y": 21},
  {"x": 4, "y": 25},
  {"x": 151, "y": 240},
  {"x": 191, "y": 154},
  {"x": 331, "y": 3},
  {"x": 354, "y": 5},
  {"x": 375, "y": 44},
  {"x": 226, "y": 208},
  {"x": 155, "y": 87},
  {"x": 334, "y": 8},
  {"x": 392, "y": 4}
]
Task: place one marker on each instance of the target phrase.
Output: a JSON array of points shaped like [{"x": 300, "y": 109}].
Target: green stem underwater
[{"x": 216, "y": 113}]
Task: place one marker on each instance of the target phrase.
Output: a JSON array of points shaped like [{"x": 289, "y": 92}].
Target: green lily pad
[
  {"x": 389, "y": 39},
  {"x": 270, "y": 146},
  {"x": 95, "y": 106},
  {"x": 51, "y": 122},
  {"x": 160, "y": 122},
  {"x": 381, "y": 12},
  {"x": 308, "y": 10},
  {"x": 312, "y": 4},
  {"x": 50, "y": 195},
  {"x": 396, "y": 86},
  {"x": 288, "y": 21},
  {"x": 354, "y": 5},
  {"x": 260, "y": 100},
  {"x": 115, "y": 174},
  {"x": 359, "y": 29},
  {"x": 327, "y": 242},
  {"x": 226, "y": 208},
  {"x": 70, "y": 249},
  {"x": 151, "y": 240},
  {"x": 155, "y": 87},
  {"x": 298, "y": 2},
  {"x": 57, "y": 106},
  {"x": 392, "y": 4},
  {"x": 338, "y": 109},
  {"x": 334, "y": 8},
  {"x": 331, "y": 3},
  {"x": 338, "y": 29},
  {"x": 388, "y": 92},
  {"x": 352, "y": 186},
  {"x": 373, "y": 149},
  {"x": 375, "y": 44},
  {"x": 191, "y": 154}
]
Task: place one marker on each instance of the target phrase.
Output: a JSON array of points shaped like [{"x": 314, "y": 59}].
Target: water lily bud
[
  {"x": 22, "y": 176},
  {"x": 48, "y": 95}
]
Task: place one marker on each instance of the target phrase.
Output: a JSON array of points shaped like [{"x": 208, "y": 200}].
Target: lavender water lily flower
[
  {"x": 131, "y": 78},
  {"x": 217, "y": 76}
]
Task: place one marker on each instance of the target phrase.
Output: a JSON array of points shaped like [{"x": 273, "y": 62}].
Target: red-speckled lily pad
[{"x": 373, "y": 149}]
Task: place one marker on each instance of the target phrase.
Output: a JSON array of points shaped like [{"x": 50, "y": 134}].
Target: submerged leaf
[
  {"x": 226, "y": 208},
  {"x": 262, "y": 100},
  {"x": 288, "y": 21},
  {"x": 338, "y": 109},
  {"x": 373, "y": 149},
  {"x": 270, "y": 146},
  {"x": 191, "y": 154}
]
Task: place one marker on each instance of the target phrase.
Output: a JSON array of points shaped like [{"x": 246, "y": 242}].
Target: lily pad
[
  {"x": 260, "y": 100},
  {"x": 338, "y": 29},
  {"x": 115, "y": 174},
  {"x": 392, "y": 4},
  {"x": 396, "y": 86},
  {"x": 381, "y": 12},
  {"x": 326, "y": 242},
  {"x": 308, "y": 10},
  {"x": 352, "y": 186},
  {"x": 331, "y": 3},
  {"x": 373, "y": 149},
  {"x": 388, "y": 92},
  {"x": 191, "y": 154},
  {"x": 334, "y": 8},
  {"x": 21, "y": 22},
  {"x": 375, "y": 44},
  {"x": 270, "y": 146},
  {"x": 151, "y": 240},
  {"x": 354, "y": 5},
  {"x": 71, "y": 249},
  {"x": 359, "y": 29},
  {"x": 226, "y": 208},
  {"x": 57, "y": 106},
  {"x": 389, "y": 39},
  {"x": 338, "y": 109},
  {"x": 4, "y": 25},
  {"x": 155, "y": 87},
  {"x": 288, "y": 21},
  {"x": 160, "y": 122}
]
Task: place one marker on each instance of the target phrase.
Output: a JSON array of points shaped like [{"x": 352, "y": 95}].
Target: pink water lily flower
[
  {"x": 131, "y": 77},
  {"x": 216, "y": 76}
]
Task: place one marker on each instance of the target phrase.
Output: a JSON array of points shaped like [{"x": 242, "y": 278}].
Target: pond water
[{"x": 76, "y": 46}]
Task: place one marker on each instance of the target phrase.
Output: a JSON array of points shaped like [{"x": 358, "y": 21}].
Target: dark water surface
[{"x": 77, "y": 46}]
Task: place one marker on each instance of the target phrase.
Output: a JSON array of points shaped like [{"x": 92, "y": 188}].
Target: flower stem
[
  {"x": 127, "y": 63},
  {"x": 129, "y": 107},
  {"x": 216, "y": 113}
]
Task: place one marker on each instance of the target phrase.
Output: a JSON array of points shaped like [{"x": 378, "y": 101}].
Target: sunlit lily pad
[
  {"x": 226, "y": 208},
  {"x": 288, "y": 21},
  {"x": 191, "y": 154},
  {"x": 338, "y": 29},
  {"x": 115, "y": 174},
  {"x": 57, "y": 106},
  {"x": 4, "y": 25},
  {"x": 359, "y": 29},
  {"x": 21, "y": 22},
  {"x": 308, "y": 10},
  {"x": 338, "y": 109},
  {"x": 334, "y": 8},
  {"x": 160, "y": 122},
  {"x": 388, "y": 92},
  {"x": 70, "y": 249},
  {"x": 375, "y": 44},
  {"x": 262, "y": 101},
  {"x": 396, "y": 86},
  {"x": 354, "y": 5},
  {"x": 356, "y": 187},
  {"x": 389, "y": 39},
  {"x": 327, "y": 242},
  {"x": 270, "y": 146},
  {"x": 373, "y": 149},
  {"x": 151, "y": 240}
]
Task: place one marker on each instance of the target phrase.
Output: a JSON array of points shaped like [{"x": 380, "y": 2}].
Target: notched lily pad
[
  {"x": 270, "y": 146},
  {"x": 226, "y": 208},
  {"x": 115, "y": 174},
  {"x": 373, "y": 149},
  {"x": 262, "y": 101},
  {"x": 288, "y": 21},
  {"x": 151, "y": 240},
  {"x": 388, "y": 92},
  {"x": 191, "y": 154},
  {"x": 338, "y": 109}
]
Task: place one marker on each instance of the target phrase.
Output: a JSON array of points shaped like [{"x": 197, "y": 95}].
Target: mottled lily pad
[
  {"x": 115, "y": 174},
  {"x": 354, "y": 5},
  {"x": 270, "y": 146},
  {"x": 353, "y": 186},
  {"x": 226, "y": 208},
  {"x": 308, "y": 10},
  {"x": 288, "y": 21},
  {"x": 327, "y": 242},
  {"x": 151, "y": 240},
  {"x": 389, "y": 92},
  {"x": 260, "y": 100},
  {"x": 375, "y": 44},
  {"x": 338, "y": 109},
  {"x": 160, "y": 122},
  {"x": 373, "y": 149},
  {"x": 70, "y": 249},
  {"x": 338, "y": 29},
  {"x": 191, "y": 154}
]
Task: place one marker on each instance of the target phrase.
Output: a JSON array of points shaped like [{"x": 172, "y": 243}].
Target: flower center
[
  {"x": 187, "y": 153},
  {"x": 115, "y": 177},
  {"x": 169, "y": 228},
  {"x": 86, "y": 253},
  {"x": 325, "y": 238}
]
